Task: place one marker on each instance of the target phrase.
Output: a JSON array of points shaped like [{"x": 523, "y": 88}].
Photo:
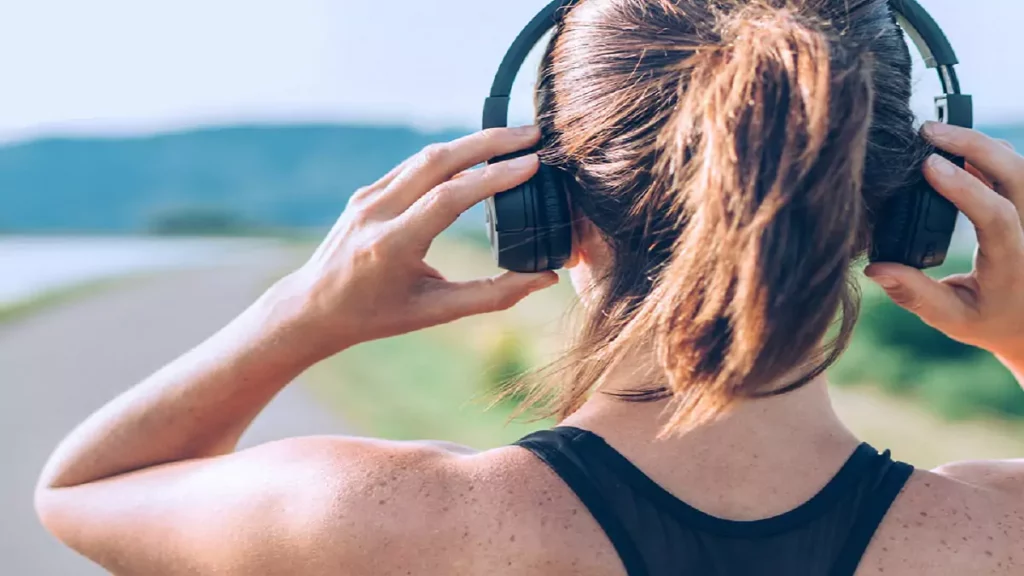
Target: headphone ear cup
[
  {"x": 529, "y": 225},
  {"x": 555, "y": 229},
  {"x": 891, "y": 236}
]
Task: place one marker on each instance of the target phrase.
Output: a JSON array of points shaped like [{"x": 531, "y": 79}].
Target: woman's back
[
  {"x": 657, "y": 534},
  {"x": 810, "y": 513},
  {"x": 609, "y": 499}
]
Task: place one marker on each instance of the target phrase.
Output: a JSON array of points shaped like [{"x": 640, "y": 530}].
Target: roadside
[{"x": 63, "y": 362}]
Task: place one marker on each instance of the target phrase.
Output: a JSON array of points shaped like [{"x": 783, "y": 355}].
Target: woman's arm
[
  {"x": 150, "y": 484},
  {"x": 984, "y": 308},
  {"x": 195, "y": 407}
]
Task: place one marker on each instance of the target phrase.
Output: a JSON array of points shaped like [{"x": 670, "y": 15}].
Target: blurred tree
[
  {"x": 894, "y": 349},
  {"x": 505, "y": 361},
  {"x": 199, "y": 221},
  {"x": 893, "y": 327}
]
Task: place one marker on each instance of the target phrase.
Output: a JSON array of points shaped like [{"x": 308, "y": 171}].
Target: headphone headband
[
  {"x": 520, "y": 49},
  {"x": 530, "y": 225},
  {"x": 922, "y": 29},
  {"x": 496, "y": 105}
]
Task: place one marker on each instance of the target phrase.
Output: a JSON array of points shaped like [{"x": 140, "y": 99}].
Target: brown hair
[{"x": 733, "y": 155}]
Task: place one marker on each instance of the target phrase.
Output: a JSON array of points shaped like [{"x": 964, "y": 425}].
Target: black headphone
[{"x": 530, "y": 226}]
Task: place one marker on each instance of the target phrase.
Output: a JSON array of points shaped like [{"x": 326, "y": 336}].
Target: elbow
[
  {"x": 51, "y": 500},
  {"x": 55, "y": 514},
  {"x": 43, "y": 499},
  {"x": 51, "y": 503},
  {"x": 47, "y": 508}
]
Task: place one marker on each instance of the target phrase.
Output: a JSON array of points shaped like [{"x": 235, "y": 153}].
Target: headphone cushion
[
  {"x": 556, "y": 225},
  {"x": 892, "y": 233}
]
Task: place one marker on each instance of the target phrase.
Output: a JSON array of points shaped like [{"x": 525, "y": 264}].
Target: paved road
[{"x": 59, "y": 365}]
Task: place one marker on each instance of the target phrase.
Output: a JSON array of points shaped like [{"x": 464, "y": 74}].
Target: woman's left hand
[{"x": 368, "y": 279}]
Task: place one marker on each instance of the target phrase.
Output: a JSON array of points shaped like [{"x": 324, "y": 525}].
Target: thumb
[
  {"x": 912, "y": 289},
  {"x": 493, "y": 294}
]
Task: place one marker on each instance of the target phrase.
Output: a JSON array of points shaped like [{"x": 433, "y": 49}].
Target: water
[
  {"x": 33, "y": 265},
  {"x": 30, "y": 266}
]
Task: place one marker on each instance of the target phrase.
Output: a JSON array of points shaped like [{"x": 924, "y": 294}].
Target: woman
[{"x": 725, "y": 167}]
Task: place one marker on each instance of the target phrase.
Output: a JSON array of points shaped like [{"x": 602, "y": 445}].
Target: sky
[{"x": 125, "y": 66}]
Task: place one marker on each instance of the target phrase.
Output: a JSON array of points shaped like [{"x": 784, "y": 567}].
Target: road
[{"x": 61, "y": 364}]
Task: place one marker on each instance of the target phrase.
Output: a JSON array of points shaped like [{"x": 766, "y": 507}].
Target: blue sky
[{"x": 125, "y": 66}]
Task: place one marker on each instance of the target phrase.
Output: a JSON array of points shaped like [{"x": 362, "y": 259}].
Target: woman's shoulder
[
  {"x": 435, "y": 507},
  {"x": 1004, "y": 477},
  {"x": 964, "y": 518}
]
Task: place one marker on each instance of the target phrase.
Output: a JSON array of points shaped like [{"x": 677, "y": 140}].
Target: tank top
[{"x": 657, "y": 534}]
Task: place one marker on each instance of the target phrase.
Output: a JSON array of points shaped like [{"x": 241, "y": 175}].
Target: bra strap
[
  {"x": 555, "y": 448},
  {"x": 876, "y": 505}
]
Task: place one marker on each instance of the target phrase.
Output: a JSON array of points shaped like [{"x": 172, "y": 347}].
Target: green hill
[
  {"x": 290, "y": 176},
  {"x": 226, "y": 179}
]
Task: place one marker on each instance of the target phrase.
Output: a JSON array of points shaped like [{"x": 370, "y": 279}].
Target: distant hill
[
  {"x": 230, "y": 178},
  {"x": 289, "y": 176}
]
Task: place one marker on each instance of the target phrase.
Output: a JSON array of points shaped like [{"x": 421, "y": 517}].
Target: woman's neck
[
  {"x": 764, "y": 457},
  {"x": 805, "y": 413}
]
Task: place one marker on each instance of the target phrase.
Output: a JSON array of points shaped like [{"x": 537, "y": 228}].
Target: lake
[{"x": 32, "y": 265}]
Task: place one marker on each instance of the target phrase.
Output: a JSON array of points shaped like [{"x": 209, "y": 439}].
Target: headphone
[{"x": 530, "y": 226}]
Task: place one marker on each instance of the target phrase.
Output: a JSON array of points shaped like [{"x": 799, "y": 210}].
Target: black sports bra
[{"x": 657, "y": 534}]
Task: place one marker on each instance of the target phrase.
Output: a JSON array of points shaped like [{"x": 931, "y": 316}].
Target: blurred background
[{"x": 161, "y": 163}]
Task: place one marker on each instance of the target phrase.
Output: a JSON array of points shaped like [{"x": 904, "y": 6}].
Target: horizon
[
  {"x": 270, "y": 124},
  {"x": 114, "y": 67}
]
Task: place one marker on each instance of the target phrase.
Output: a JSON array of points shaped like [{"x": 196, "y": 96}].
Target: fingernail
[
  {"x": 522, "y": 162},
  {"x": 886, "y": 282},
  {"x": 933, "y": 128},
  {"x": 530, "y": 130},
  {"x": 941, "y": 166}
]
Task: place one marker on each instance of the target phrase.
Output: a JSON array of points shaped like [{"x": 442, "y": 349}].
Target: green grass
[
  {"x": 439, "y": 383},
  {"x": 421, "y": 385},
  {"x": 902, "y": 385},
  {"x": 23, "y": 309}
]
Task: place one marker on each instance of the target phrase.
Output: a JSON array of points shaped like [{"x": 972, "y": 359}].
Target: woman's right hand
[{"x": 984, "y": 308}]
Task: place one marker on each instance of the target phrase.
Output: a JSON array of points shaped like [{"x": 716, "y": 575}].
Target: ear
[
  {"x": 582, "y": 231},
  {"x": 575, "y": 256},
  {"x": 588, "y": 245}
]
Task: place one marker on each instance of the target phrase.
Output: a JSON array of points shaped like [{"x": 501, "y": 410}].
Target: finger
[
  {"x": 367, "y": 193},
  {"x": 388, "y": 178},
  {"x": 436, "y": 211},
  {"x": 973, "y": 171},
  {"x": 437, "y": 163},
  {"x": 994, "y": 158},
  {"x": 461, "y": 299},
  {"x": 995, "y": 218},
  {"x": 934, "y": 302},
  {"x": 977, "y": 174},
  {"x": 462, "y": 174}
]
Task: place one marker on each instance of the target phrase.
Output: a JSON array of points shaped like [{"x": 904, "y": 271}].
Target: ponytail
[
  {"x": 732, "y": 155},
  {"x": 765, "y": 153}
]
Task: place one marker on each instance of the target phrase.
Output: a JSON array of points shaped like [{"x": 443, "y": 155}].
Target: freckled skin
[
  {"x": 959, "y": 532},
  {"x": 420, "y": 509}
]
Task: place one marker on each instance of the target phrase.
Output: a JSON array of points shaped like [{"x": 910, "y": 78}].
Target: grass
[
  {"x": 20, "y": 310},
  {"x": 421, "y": 385},
  {"x": 433, "y": 383}
]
